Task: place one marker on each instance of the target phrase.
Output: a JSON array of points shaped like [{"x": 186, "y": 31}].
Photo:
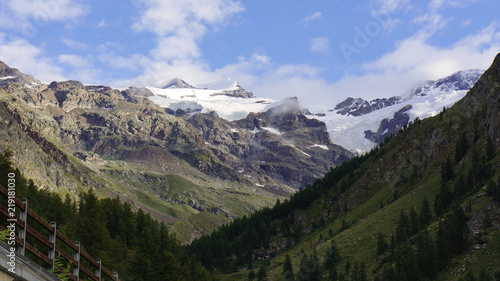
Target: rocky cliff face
[
  {"x": 357, "y": 107},
  {"x": 280, "y": 147},
  {"x": 390, "y": 126}
]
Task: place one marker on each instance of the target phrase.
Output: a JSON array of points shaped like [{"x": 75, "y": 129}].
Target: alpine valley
[
  {"x": 396, "y": 188},
  {"x": 195, "y": 157}
]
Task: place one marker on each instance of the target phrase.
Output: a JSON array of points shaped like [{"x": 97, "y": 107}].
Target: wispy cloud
[
  {"x": 320, "y": 44},
  {"x": 382, "y": 7},
  {"x": 313, "y": 17},
  {"x": 73, "y": 44},
  {"x": 30, "y": 59}
]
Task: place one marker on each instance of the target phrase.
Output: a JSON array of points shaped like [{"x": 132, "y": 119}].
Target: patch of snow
[
  {"x": 234, "y": 130},
  {"x": 254, "y": 131},
  {"x": 308, "y": 155},
  {"x": 207, "y": 100},
  {"x": 259, "y": 185},
  {"x": 322, "y": 146},
  {"x": 273, "y": 130},
  {"x": 8, "y": 77}
]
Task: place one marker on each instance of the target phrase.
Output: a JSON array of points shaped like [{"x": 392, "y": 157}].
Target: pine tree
[
  {"x": 91, "y": 224},
  {"x": 381, "y": 244},
  {"x": 332, "y": 255},
  {"x": 460, "y": 187},
  {"x": 403, "y": 228},
  {"x": 262, "y": 274},
  {"x": 487, "y": 219},
  {"x": 470, "y": 276},
  {"x": 288, "y": 269},
  {"x": 484, "y": 275},
  {"x": 461, "y": 148},
  {"x": 446, "y": 171},
  {"x": 251, "y": 275},
  {"x": 425, "y": 212},
  {"x": 414, "y": 222},
  {"x": 426, "y": 256},
  {"x": 490, "y": 149}
]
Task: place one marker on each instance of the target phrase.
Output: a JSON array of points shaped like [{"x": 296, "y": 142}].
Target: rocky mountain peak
[
  {"x": 12, "y": 75},
  {"x": 3, "y": 65},
  {"x": 459, "y": 81},
  {"x": 359, "y": 106},
  {"x": 178, "y": 83}
]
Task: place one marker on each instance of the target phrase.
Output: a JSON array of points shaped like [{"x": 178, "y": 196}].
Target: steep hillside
[{"x": 425, "y": 204}]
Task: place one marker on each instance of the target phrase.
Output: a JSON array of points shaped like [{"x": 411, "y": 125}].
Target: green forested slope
[{"x": 423, "y": 206}]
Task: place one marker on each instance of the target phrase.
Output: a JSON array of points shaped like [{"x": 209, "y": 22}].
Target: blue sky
[{"x": 321, "y": 51}]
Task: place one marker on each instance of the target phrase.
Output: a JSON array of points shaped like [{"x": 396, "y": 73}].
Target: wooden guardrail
[{"x": 26, "y": 214}]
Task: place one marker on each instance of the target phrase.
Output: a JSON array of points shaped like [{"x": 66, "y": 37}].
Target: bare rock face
[
  {"x": 359, "y": 106},
  {"x": 482, "y": 101},
  {"x": 279, "y": 148},
  {"x": 389, "y": 127},
  {"x": 13, "y": 75}
]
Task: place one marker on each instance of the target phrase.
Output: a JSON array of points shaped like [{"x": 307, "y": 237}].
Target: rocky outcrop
[
  {"x": 177, "y": 83},
  {"x": 280, "y": 148},
  {"x": 359, "y": 106},
  {"x": 13, "y": 75},
  {"x": 482, "y": 103},
  {"x": 239, "y": 92},
  {"x": 390, "y": 127}
]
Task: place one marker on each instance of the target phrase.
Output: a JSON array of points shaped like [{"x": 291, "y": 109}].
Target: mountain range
[
  {"x": 194, "y": 173},
  {"x": 400, "y": 188}
]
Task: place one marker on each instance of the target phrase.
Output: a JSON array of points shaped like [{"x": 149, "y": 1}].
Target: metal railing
[{"x": 55, "y": 237}]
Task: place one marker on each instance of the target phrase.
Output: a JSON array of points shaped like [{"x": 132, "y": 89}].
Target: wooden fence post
[
  {"x": 98, "y": 270},
  {"x": 76, "y": 257},
  {"x": 23, "y": 215},
  {"x": 52, "y": 239}
]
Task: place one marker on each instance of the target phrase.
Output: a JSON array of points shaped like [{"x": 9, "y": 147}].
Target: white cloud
[
  {"x": 312, "y": 17},
  {"x": 81, "y": 67},
  {"x": 414, "y": 59},
  {"x": 19, "y": 53},
  {"x": 320, "y": 44},
  {"x": 28, "y": 16},
  {"x": 178, "y": 26},
  {"x": 165, "y": 17},
  {"x": 382, "y": 7}
]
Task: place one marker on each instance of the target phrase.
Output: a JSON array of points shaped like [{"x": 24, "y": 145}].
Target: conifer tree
[
  {"x": 332, "y": 255},
  {"x": 426, "y": 256},
  {"x": 262, "y": 274},
  {"x": 91, "y": 224},
  {"x": 288, "y": 269},
  {"x": 461, "y": 148},
  {"x": 381, "y": 244},
  {"x": 251, "y": 275},
  {"x": 403, "y": 228},
  {"x": 490, "y": 149},
  {"x": 425, "y": 212},
  {"x": 414, "y": 222}
]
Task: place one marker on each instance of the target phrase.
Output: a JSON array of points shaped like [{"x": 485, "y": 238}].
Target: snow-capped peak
[
  {"x": 177, "y": 83},
  {"x": 352, "y": 121}
]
